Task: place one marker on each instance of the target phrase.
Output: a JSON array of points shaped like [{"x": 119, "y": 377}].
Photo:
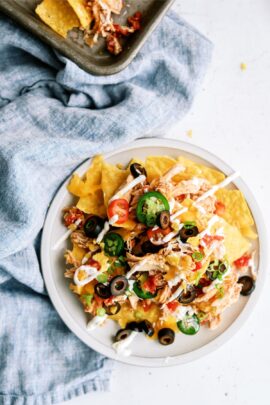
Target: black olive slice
[
  {"x": 248, "y": 285},
  {"x": 112, "y": 309},
  {"x": 148, "y": 247},
  {"x": 118, "y": 285},
  {"x": 135, "y": 326},
  {"x": 186, "y": 297},
  {"x": 189, "y": 232},
  {"x": 102, "y": 290},
  {"x": 122, "y": 334},
  {"x": 93, "y": 226},
  {"x": 147, "y": 328},
  {"x": 164, "y": 219},
  {"x": 166, "y": 336},
  {"x": 137, "y": 170}
]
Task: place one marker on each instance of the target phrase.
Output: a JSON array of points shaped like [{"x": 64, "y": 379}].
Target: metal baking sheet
[{"x": 95, "y": 60}]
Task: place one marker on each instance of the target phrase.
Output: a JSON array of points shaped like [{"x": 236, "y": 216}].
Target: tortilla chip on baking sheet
[
  {"x": 58, "y": 15},
  {"x": 84, "y": 15},
  {"x": 156, "y": 166},
  {"x": 115, "y": 5},
  {"x": 112, "y": 178},
  {"x": 198, "y": 170},
  {"x": 237, "y": 212}
]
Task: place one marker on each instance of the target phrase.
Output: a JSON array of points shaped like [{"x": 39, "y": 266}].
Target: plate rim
[{"x": 236, "y": 324}]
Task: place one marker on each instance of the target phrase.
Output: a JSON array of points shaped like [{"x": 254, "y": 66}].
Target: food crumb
[
  {"x": 226, "y": 394},
  {"x": 190, "y": 133},
  {"x": 243, "y": 66}
]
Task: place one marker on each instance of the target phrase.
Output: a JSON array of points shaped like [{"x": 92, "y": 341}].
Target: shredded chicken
[
  {"x": 71, "y": 259},
  {"x": 79, "y": 238}
]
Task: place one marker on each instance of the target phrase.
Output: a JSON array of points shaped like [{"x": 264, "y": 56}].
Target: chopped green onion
[
  {"x": 221, "y": 291},
  {"x": 197, "y": 256},
  {"x": 102, "y": 278},
  {"x": 189, "y": 224},
  {"x": 101, "y": 312},
  {"x": 87, "y": 298}
]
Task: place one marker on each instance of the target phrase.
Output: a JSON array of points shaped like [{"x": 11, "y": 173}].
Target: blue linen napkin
[{"x": 53, "y": 115}]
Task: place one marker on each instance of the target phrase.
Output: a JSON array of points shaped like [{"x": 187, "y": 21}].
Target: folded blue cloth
[{"x": 53, "y": 115}]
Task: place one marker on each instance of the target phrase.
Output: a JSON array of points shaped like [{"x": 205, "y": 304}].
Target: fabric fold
[{"x": 53, "y": 115}]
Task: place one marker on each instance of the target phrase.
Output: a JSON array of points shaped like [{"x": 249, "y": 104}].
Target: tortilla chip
[
  {"x": 129, "y": 225},
  {"x": 156, "y": 166},
  {"x": 193, "y": 214},
  {"x": 112, "y": 178},
  {"x": 79, "y": 7},
  {"x": 103, "y": 261},
  {"x": 58, "y": 15},
  {"x": 235, "y": 243},
  {"x": 78, "y": 252},
  {"x": 93, "y": 204},
  {"x": 115, "y": 5},
  {"x": 91, "y": 183},
  {"x": 237, "y": 212},
  {"x": 198, "y": 170}
]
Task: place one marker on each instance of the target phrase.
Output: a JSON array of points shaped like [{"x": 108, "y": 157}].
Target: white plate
[{"x": 144, "y": 351}]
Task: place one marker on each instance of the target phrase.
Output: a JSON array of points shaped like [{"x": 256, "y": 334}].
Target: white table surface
[{"x": 230, "y": 117}]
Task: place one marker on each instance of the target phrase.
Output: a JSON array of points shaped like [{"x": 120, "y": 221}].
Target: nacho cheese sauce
[{"x": 171, "y": 258}]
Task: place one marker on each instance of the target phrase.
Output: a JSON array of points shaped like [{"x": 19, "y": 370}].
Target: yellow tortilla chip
[
  {"x": 128, "y": 225},
  {"x": 93, "y": 204},
  {"x": 237, "y": 212},
  {"x": 112, "y": 178},
  {"x": 235, "y": 243},
  {"x": 79, "y": 7},
  {"x": 156, "y": 166},
  {"x": 58, "y": 15},
  {"x": 115, "y": 5},
  {"x": 103, "y": 260},
  {"x": 198, "y": 170},
  {"x": 78, "y": 252},
  {"x": 91, "y": 183}
]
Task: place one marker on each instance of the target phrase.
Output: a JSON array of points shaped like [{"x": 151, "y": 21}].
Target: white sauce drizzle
[
  {"x": 129, "y": 186},
  {"x": 213, "y": 189},
  {"x": 66, "y": 235},
  {"x": 121, "y": 346},
  {"x": 103, "y": 232},
  {"x": 208, "y": 193},
  {"x": 91, "y": 271},
  {"x": 136, "y": 268},
  {"x": 211, "y": 222},
  {"x": 95, "y": 322},
  {"x": 175, "y": 294}
]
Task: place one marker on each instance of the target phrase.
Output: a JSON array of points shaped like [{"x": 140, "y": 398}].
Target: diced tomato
[
  {"x": 172, "y": 305},
  {"x": 99, "y": 300},
  {"x": 181, "y": 197},
  {"x": 146, "y": 305},
  {"x": 198, "y": 266},
  {"x": 158, "y": 233},
  {"x": 93, "y": 263},
  {"x": 209, "y": 239},
  {"x": 119, "y": 207},
  {"x": 135, "y": 21},
  {"x": 242, "y": 261},
  {"x": 72, "y": 215},
  {"x": 220, "y": 208},
  {"x": 121, "y": 29},
  {"x": 204, "y": 282},
  {"x": 150, "y": 284},
  {"x": 109, "y": 301}
]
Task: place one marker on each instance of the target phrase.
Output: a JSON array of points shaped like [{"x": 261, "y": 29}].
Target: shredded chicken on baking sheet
[
  {"x": 166, "y": 255},
  {"x": 102, "y": 24}
]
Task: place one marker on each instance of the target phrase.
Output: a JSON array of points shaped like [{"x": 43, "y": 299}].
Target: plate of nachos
[{"x": 154, "y": 254}]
